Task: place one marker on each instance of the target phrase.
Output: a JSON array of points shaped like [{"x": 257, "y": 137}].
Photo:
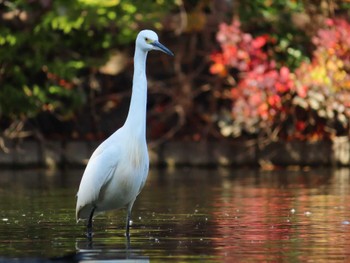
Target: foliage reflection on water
[{"x": 241, "y": 215}]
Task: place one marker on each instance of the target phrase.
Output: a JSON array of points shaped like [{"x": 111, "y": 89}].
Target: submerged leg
[
  {"x": 127, "y": 237},
  {"x": 128, "y": 218},
  {"x": 89, "y": 224}
]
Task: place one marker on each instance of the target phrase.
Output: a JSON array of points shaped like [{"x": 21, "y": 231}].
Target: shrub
[{"x": 310, "y": 103}]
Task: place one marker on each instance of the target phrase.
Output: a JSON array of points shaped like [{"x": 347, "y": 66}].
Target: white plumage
[{"x": 118, "y": 168}]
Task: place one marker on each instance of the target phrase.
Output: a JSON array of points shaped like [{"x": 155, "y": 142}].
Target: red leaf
[{"x": 259, "y": 42}]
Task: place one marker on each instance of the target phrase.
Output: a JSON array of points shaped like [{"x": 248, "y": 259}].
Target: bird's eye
[{"x": 148, "y": 41}]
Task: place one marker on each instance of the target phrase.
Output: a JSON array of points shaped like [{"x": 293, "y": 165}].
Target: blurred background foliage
[
  {"x": 48, "y": 48},
  {"x": 272, "y": 69},
  {"x": 289, "y": 76}
]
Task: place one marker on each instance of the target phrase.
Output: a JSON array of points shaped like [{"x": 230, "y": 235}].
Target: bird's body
[
  {"x": 124, "y": 175},
  {"x": 118, "y": 168}
]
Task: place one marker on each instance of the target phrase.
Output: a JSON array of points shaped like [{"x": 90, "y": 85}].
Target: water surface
[{"x": 187, "y": 214}]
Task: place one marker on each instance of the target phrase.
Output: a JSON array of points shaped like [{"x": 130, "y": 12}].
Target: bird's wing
[{"x": 97, "y": 174}]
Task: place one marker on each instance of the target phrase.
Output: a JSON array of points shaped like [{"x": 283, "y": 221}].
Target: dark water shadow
[
  {"x": 100, "y": 251},
  {"x": 89, "y": 250}
]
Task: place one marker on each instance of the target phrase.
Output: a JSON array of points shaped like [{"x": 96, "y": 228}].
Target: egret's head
[{"x": 147, "y": 40}]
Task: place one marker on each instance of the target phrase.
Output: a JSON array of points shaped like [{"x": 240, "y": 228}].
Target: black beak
[{"x": 162, "y": 48}]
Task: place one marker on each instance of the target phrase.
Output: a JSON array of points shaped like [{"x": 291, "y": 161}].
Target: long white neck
[{"x": 136, "y": 120}]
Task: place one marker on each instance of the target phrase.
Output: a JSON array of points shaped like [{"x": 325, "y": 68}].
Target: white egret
[{"x": 118, "y": 168}]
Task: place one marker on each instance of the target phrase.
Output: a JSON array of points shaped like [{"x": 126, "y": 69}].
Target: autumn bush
[{"x": 277, "y": 102}]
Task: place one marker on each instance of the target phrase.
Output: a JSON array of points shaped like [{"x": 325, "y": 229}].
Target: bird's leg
[
  {"x": 128, "y": 218},
  {"x": 127, "y": 243},
  {"x": 89, "y": 224}
]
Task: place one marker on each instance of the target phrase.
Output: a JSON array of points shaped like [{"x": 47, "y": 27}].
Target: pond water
[{"x": 187, "y": 214}]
